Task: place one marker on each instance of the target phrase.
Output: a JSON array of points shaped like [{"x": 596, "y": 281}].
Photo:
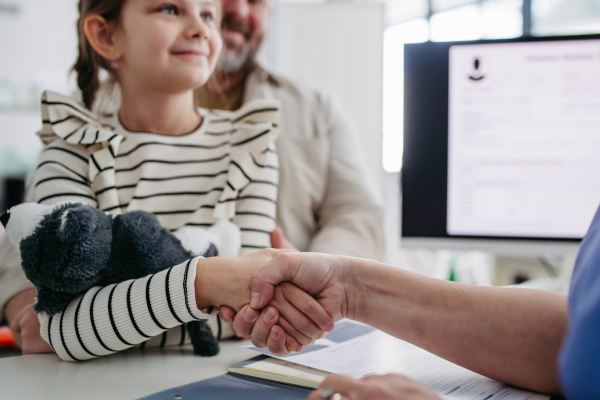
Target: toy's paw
[
  {"x": 227, "y": 237},
  {"x": 202, "y": 339},
  {"x": 195, "y": 240},
  {"x": 51, "y": 301},
  {"x": 211, "y": 252},
  {"x": 224, "y": 235}
]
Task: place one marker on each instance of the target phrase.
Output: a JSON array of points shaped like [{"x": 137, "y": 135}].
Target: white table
[{"x": 126, "y": 375}]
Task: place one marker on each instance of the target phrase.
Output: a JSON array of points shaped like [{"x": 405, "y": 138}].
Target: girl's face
[{"x": 167, "y": 45}]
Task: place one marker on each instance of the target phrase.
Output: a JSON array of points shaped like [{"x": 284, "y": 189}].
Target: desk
[{"x": 127, "y": 375}]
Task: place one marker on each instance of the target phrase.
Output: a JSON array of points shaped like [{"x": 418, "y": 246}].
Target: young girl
[{"x": 158, "y": 153}]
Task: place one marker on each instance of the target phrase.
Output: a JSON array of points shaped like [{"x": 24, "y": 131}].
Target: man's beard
[{"x": 232, "y": 61}]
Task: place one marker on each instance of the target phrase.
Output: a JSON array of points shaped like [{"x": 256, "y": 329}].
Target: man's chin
[{"x": 232, "y": 61}]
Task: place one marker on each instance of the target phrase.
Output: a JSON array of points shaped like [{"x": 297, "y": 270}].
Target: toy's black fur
[{"x": 69, "y": 254}]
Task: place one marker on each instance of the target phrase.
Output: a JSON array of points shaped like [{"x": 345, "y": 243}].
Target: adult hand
[
  {"x": 320, "y": 275},
  {"x": 25, "y": 324},
  {"x": 302, "y": 318},
  {"x": 380, "y": 387},
  {"x": 278, "y": 240}
]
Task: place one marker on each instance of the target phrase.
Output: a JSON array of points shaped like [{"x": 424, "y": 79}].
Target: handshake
[{"x": 282, "y": 299}]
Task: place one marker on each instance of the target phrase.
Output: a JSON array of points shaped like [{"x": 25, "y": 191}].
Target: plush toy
[{"x": 68, "y": 248}]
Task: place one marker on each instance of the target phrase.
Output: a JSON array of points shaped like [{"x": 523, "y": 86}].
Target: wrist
[
  {"x": 363, "y": 279},
  {"x": 203, "y": 283},
  {"x": 354, "y": 289}
]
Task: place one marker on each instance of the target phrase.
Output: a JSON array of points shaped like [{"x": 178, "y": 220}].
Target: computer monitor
[{"x": 501, "y": 144}]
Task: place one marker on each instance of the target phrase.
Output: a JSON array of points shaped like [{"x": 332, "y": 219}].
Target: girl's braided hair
[{"x": 89, "y": 62}]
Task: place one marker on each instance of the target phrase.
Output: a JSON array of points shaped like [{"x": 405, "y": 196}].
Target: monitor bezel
[{"x": 411, "y": 237}]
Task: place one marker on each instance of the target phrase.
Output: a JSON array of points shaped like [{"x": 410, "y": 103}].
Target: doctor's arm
[{"x": 508, "y": 334}]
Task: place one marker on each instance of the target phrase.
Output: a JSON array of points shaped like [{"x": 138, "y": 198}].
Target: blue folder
[{"x": 232, "y": 387}]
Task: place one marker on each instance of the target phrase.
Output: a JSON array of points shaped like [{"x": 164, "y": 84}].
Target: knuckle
[
  {"x": 284, "y": 257},
  {"x": 304, "y": 326},
  {"x": 310, "y": 306}
]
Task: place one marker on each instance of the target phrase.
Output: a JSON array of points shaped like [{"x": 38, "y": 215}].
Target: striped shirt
[{"x": 227, "y": 168}]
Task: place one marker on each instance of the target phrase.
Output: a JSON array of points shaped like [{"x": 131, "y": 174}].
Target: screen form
[{"x": 523, "y": 139}]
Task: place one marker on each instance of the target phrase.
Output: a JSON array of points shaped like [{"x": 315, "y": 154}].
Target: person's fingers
[
  {"x": 31, "y": 339},
  {"x": 32, "y": 343},
  {"x": 15, "y": 325},
  {"x": 278, "y": 240},
  {"x": 291, "y": 343},
  {"x": 280, "y": 268},
  {"x": 341, "y": 384},
  {"x": 293, "y": 332},
  {"x": 227, "y": 314},
  {"x": 317, "y": 395},
  {"x": 307, "y": 306},
  {"x": 262, "y": 327},
  {"x": 276, "y": 343},
  {"x": 244, "y": 321}
]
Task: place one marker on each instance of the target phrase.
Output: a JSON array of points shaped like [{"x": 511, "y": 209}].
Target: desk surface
[{"x": 126, "y": 375}]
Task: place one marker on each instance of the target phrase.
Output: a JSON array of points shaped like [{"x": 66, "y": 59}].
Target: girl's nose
[{"x": 196, "y": 27}]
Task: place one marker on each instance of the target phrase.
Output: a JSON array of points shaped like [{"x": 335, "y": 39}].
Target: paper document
[{"x": 358, "y": 350}]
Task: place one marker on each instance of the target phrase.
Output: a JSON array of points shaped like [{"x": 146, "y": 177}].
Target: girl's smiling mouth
[{"x": 190, "y": 54}]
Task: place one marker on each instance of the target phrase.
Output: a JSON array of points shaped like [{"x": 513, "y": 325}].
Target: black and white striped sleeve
[
  {"x": 62, "y": 175},
  {"x": 116, "y": 317}
]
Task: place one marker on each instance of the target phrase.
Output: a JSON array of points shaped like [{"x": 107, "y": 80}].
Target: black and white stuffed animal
[{"x": 68, "y": 248}]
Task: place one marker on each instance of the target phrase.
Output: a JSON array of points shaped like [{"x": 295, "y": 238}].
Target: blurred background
[{"x": 353, "y": 49}]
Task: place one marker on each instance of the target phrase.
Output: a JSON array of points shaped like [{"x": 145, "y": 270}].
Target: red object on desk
[{"x": 6, "y": 337}]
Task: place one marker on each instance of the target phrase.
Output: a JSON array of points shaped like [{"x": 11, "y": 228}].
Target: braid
[{"x": 87, "y": 74}]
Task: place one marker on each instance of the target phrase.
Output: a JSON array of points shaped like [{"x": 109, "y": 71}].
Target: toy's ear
[
  {"x": 77, "y": 223},
  {"x": 22, "y": 220}
]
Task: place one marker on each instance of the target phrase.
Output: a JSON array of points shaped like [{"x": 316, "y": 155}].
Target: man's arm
[
  {"x": 509, "y": 334},
  {"x": 350, "y": 220}
]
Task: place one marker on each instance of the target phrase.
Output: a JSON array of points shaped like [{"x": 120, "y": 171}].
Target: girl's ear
[{"x": 100, "y": 36}]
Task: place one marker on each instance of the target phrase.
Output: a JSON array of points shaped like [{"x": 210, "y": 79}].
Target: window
[
  {"x": 565, "y": 17},
  {"x": 395, "y": 37},
  {"x": 450, "y": 20}
]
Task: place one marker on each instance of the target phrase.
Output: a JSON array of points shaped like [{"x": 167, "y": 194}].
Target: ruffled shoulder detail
[
  {"x": 69, "y": 120},
  {"x": 253, "y": 130}
]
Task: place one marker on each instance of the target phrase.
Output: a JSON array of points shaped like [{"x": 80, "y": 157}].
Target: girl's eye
[
  {"x": 171, "y": 10},
  {"x": 207, "y": 16}
]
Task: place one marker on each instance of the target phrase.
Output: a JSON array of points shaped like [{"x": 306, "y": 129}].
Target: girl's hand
[
  {"x": 25, "y": 324},
  {"x": 380, "y": 387},
  {"x": 225, "y": 281}
]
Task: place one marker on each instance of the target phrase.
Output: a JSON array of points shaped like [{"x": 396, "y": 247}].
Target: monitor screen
[{"x": 502, "y": 139}]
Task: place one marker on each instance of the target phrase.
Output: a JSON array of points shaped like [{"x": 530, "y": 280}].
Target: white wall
[
  {"x": 38, "y": 45},
  {"x": 37, "y": 49},
  {"x": 337, "y": 47}
]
